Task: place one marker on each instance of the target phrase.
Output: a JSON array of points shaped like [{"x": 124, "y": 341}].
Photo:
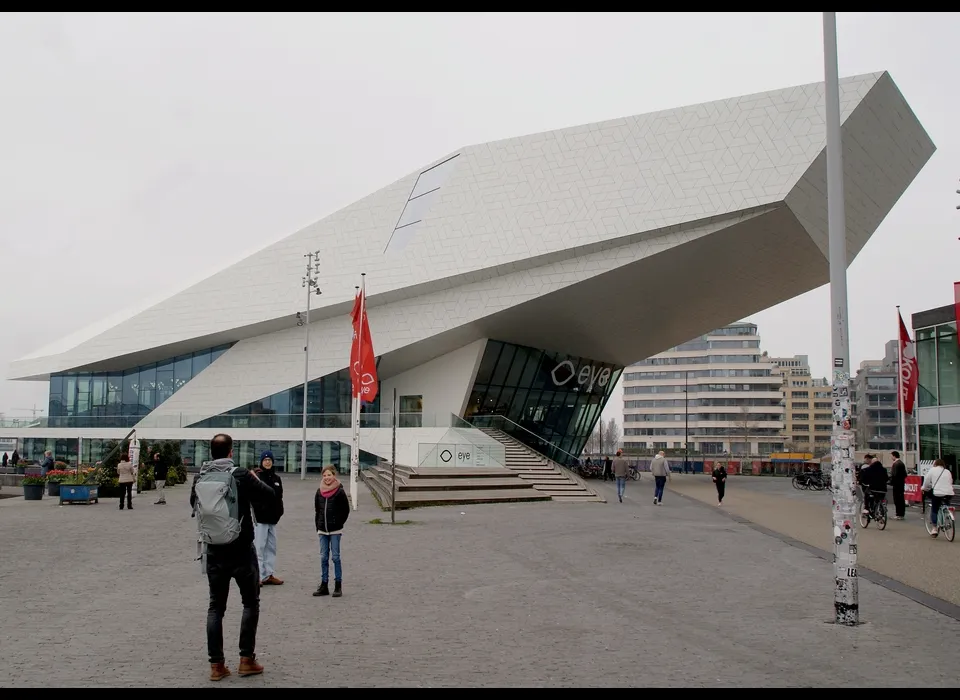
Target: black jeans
[
  {"x": 899, "y": 500},
  {"x": 126, "y": 490},
  {"x": 721, "y": 487},
  {"x": 239, "y": 565}
]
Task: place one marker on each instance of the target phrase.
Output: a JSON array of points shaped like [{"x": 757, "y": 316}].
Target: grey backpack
[{"x": 217, "y": 508}]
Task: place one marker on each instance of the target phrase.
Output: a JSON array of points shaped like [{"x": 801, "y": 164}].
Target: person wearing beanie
[{"x": 267, "y": 515}]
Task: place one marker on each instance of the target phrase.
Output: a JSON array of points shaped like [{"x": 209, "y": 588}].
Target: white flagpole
[
  {"x": 355, "y": 452},
  {"x": 903, "y": 418}
]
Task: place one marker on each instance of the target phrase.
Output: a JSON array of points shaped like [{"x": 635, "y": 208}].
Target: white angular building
[{"x": 498, "y": 277}]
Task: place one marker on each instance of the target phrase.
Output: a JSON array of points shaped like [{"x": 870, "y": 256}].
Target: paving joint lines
[{"x": 944, "y": 607}]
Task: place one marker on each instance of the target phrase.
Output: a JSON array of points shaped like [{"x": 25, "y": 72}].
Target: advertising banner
[{"x": 911, "y": 489}]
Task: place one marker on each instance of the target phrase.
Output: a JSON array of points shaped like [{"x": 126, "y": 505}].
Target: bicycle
[
  {"x": 945, "y": 522},
  {"x": 877, "y": 511},
  {"x": 634, "y": 472}
]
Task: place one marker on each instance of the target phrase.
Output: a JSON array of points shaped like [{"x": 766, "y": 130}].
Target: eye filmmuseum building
[{"x": 508, "y": 283}]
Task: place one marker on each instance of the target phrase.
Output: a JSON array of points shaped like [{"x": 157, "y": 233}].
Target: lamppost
[
  {"x": 310, "y": 284},
  {"x": 846, "y": 590},
  {"x": 686, "y": 418}
]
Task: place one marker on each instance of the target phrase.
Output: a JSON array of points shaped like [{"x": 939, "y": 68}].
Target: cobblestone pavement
[
  {"x": 507, "y": 595},
  {"x": 903, "y": 552}
]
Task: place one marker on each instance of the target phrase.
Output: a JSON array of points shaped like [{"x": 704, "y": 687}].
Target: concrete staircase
[
  {"x": 543, "y": 474},
  {"x": 417, "y": 488}
]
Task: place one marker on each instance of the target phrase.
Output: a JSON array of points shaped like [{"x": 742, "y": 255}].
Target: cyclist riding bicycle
[
  {"x": 873, "y": 479},
  {"x": 939, "y": 483}
]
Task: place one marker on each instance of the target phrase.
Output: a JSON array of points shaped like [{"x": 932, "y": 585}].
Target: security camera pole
[
  {"x": 310, "y": 283},
  {"x": 846, "y": 591}
]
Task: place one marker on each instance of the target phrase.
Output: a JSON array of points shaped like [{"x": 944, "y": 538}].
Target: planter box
[
  {"x": 32, "y": 492},
  {"x": 53, "y": 488},
  {"x": 79, "y": 493}
]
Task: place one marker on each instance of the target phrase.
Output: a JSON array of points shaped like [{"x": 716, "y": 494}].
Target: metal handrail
[{"x": 542, "y": 439}]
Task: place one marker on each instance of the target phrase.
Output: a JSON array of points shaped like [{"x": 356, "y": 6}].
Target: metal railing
[
  {"x": 527, "y": 437},
  {"x": 263, "y": 420}
]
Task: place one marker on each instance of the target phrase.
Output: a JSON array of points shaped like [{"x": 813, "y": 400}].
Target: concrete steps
[
  {"x": 418, "y": 488},
  {"x": 545, "y": 476}
]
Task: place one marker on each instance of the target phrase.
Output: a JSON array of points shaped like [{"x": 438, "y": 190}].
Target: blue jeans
[
  {"x": 265, "y": 540},
  {"x": 658, "y": 489},
  {"x": 935, "y": 503},
  {"x": 621, "y": 486},
  {"x": 330, "y": 544}
]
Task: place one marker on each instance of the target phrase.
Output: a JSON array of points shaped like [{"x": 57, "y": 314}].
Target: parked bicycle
[
  {"x": 634, "y": 472},
  {"x": 590, "y": 471},
  {"x": 945, "y": 522},
  {"x": 811, "y": 481},
  {"x": 876, "y": 512}
]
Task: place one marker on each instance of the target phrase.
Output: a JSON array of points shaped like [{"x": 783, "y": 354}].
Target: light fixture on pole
[
  {"x": 846, "y": 590},
  {"x": 310, "y": 284}
]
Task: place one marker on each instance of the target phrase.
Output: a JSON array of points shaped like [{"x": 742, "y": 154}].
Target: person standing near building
[
  {"x": 268, "y": 515},
  {"x": 331, "y": 510},
  {"x": 620, "y": 472},
  {"x": 607, "y": 467},
  {"x": 126, "y": 477},
  {"x": 720, "y": 481},
  {"x": 234, "y": 560},
  {"x": 660, "y": 468},
  {"x": 898, "y": 480},
  {"x": 47, "y": 463},
  {"x": 160, "y": 468}
]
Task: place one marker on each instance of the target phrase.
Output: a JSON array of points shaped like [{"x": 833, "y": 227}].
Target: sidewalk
[{"x": 903, "y": 552}]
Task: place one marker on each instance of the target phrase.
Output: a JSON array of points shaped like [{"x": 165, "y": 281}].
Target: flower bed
[{"x": 33, "y": 485}]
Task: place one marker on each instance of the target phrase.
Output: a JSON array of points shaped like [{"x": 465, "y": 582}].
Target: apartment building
[
  {"x": 874, "y": 403},
  {"x": 716, "y": 394},
  {"x": 808, "y": 407}
]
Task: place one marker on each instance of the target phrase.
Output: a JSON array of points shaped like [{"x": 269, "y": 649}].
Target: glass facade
[
  {"x": 246, "y": 453},
  {"x": 120, "y": 399},
  {"x": 547, "y": 400},
  {"x": 328, "y": 406},
  {"x": 938, "y": 358}
]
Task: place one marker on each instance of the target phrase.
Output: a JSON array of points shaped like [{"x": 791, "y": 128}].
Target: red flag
[
  {"x": 363, "y": 362},
  {"x": 956, "y": 306},
  {"x": 909, "y": 372}
]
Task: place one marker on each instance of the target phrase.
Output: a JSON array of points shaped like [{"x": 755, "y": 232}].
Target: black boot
[
  {"x": 337, "y": 591},
  {"x": 322, "y": 590}
]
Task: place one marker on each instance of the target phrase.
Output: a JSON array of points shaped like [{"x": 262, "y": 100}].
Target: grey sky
[{"x": 143, "y": 152}]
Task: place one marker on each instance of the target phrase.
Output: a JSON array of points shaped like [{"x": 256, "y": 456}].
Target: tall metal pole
[
  {"x": 900, "y": 404},
  {"x": 846, "y": 601},
  {"x": 686, "y": 419},
  {"x": 393, "y": 463},
  {"x": 310, "y": 283}
]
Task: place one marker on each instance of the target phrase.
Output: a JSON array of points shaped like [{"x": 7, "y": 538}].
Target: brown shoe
[
  {"x": 249, "y": 667},
  {"x": 273, "y": 580},
  {"x": 219, "y": 671}
]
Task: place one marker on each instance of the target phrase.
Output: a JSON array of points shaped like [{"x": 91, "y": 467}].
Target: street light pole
[
  {"x": 310, "y": 284},
  {"x": 846, "y": 601}
]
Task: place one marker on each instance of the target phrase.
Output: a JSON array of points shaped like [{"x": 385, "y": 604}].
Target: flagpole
[
  {"x": 355, "y": 452},
  {"x": 903, "y": 418}
]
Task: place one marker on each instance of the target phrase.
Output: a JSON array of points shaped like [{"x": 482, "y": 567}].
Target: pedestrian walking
[
  {"x": 126, "y": 477},
  {"x": 620, "y": 472},
  {"x": 160, "y": 468},
  {"x": 220, "y": 497},
  {"x": 607, "y": 467},
  {"x": 660, "y": 468},
  {"x": 898, "y": 480},
  {"x": 267, "y": 516},
  {"x": 331, "y": 509},
  {"x": 720, "y": 480}
]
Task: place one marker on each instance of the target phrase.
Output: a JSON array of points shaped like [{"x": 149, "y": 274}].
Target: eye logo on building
[
  {"x": 587, "y": 377},
  {"x": 446, "y": 456}
]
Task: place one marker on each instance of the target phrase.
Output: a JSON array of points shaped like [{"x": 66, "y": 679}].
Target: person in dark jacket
[
  {"x": 720, "y": 481},
  {"x": 47, "y": 463},
  {"x": 873, "y": 480},
  {"x": 268, "y": 514},
  {"x": 332, "y": 509},
  {"x": 160, "y": 468},
  {"x": 898, "y": 480},
  {"x": 234, "y": 561}
]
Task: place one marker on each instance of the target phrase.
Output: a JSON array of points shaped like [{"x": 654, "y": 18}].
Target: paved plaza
[{"x": 506, "y": 595}]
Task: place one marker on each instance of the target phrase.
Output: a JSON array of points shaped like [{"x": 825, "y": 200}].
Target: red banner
[
  {"x": 909, "y": 374},
  {"x": 363, "y": 362},
  {"x": 911, "y": 489},
  {"x": 956, "y": 306}
]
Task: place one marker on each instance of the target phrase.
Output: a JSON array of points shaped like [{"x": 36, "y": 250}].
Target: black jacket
[
  {"x": 331, "y": 513},
  {"x": 898, "y": 473},
  {"x": 159, "y": 468},
  {"x": 720, "y": 475},
  {"x": 874, "y": 477},
  {"x": 249, "y": 488},
  {"x": 270, "y": 512}
]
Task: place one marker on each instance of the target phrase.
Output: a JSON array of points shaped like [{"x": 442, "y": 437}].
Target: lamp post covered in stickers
[{"x": 846, "y": 594}]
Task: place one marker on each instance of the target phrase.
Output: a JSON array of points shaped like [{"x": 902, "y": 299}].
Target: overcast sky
[{"x": 143, "y": 152}]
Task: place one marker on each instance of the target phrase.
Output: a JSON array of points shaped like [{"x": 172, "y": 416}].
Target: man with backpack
[{"x": 220, "y": 497}]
